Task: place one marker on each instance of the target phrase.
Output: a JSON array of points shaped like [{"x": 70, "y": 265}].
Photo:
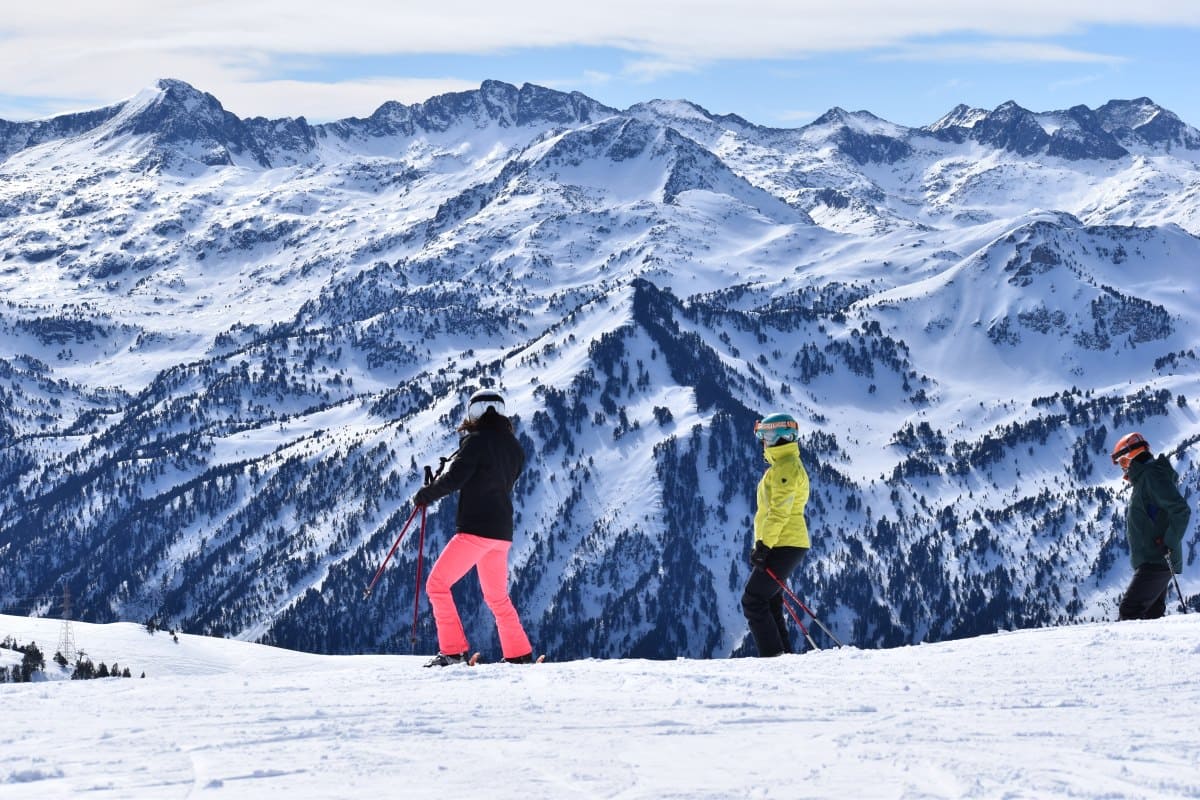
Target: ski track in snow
[{"x": 1099, "y": 710}]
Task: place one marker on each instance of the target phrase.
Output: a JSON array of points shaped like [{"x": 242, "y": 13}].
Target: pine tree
[{"x": 33, "y": 661}]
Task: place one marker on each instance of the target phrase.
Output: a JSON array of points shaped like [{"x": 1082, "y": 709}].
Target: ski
[
  {"x": 475, "y": 660},
  {"x": 442, "y": 660}
]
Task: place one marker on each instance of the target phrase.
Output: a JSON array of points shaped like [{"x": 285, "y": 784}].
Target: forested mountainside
[{"x": 230, "y": 346}]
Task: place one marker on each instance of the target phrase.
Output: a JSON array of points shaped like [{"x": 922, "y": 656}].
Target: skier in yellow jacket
[{"x": 780, "y": 533}]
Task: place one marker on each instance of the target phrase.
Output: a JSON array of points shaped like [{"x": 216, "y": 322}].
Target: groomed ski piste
[{"x": 1097, "y": 710}]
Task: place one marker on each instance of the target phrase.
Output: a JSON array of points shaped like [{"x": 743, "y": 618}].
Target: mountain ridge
[{"x": 1008, "y": 126}]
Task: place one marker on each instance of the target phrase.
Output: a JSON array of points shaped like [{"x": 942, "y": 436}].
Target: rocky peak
[
  {"x": 185, "y": 124},
  {"x": 862, "y": 136},
  {"x": 536, "y": 104},
  {"x": 1011, "y": 127},
  {"x": 1142, "y": 121},
  {"x": 961, "y": 116},
  {"x": 833, "y": 117},
  {"x": 499, "y": 103},
  {"x": 1116, "y": 115},
  {"x": 1083, "y": 137}
]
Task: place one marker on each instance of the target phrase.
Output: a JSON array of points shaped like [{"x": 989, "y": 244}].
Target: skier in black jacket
[
  {"x": 1157, "y": 519},
  {"x": 483, "y": 472}
]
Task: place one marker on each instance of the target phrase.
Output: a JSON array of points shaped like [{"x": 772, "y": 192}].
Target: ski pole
[
  {"x": 807, "y": 637},
  {"x": 430, "y": 477},
  {"x": 417, "y": 591},
  {"x": 1175, "y": 580},
  {"x": 807, "y": 610},
  {"x": 379, "y": 572}
]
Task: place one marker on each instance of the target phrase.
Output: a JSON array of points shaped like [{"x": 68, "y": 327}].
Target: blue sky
[{"x": 773, "y": 62}]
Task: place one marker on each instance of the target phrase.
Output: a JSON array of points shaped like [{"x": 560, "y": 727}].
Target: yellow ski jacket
[{"x": 782, "y": 495}]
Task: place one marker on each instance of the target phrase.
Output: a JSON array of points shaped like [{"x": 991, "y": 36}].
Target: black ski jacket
[{"x": 483, "y": 473}]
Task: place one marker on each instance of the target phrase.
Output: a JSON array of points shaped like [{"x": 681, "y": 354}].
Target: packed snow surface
[{"x": 1097, "y": 710}]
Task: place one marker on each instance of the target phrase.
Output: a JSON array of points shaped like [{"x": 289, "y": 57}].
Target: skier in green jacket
[
  {"x": 1155, "y": 523},
  {"x": 780, "y": 533}
]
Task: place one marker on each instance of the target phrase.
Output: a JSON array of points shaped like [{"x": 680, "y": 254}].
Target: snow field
[{"x": 1099, "y": 710}]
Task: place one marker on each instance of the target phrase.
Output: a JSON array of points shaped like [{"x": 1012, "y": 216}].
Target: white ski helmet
[{"x": 483, "y": 401}]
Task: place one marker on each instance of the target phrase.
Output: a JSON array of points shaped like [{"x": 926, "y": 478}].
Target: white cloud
[
  {"x": 651, "y": 69},
  {"x": 235, "y": 48},
  {"x": 1003, "y": 51}
]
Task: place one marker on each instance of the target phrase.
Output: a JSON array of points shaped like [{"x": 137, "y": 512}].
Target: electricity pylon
[{"x": 66, "y": 636}]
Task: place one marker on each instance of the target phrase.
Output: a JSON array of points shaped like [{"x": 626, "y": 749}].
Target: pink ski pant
[{"x": 490, "y": 559}]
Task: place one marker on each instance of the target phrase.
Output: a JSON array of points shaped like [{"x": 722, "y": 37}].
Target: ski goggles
[
  {"x": 482, "y": 402},
  {"x": 1123, "y": 456},
  {"x": 763, "y": 429}
]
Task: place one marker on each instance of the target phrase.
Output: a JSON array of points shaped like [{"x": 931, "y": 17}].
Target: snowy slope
[{"x": 1090, "y": 711}]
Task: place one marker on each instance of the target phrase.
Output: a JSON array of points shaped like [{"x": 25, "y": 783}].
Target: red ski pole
[
  {"x": 805, "y": 608},
  {"x": 396, "y": 544},
  {"x": 803, "y": 629},
  {"x": 417, "y": 592}
]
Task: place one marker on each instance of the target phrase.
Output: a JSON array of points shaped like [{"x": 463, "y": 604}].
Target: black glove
[
  {"x": 758, "y": 556},
  {"x": 423, "y": 497},
  {"x": 1162, "y": 546}
]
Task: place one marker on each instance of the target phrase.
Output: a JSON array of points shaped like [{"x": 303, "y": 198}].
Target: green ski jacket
[{"x": 1156, "y": 511}]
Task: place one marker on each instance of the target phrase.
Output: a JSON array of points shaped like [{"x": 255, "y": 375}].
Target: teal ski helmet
[{"x": 776, "y": 429}]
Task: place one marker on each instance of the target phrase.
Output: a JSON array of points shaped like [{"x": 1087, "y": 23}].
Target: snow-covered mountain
[{"x": 230, "y": 346}]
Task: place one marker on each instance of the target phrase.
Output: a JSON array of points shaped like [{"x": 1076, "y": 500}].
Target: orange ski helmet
[{"x": 1127, "y": 448}]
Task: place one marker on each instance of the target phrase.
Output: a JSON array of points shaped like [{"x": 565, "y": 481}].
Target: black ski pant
[
  {"x": 1146, "y": 596},
  {"x": 762, "y": 601}
]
